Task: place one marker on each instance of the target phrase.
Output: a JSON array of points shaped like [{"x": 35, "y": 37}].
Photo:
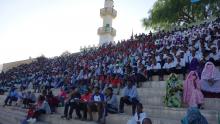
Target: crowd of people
[{"x": 90, "y": 79}]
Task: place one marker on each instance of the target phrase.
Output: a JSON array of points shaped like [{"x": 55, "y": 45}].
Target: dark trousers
[
  {"x": 38, "y": 113},
  {"x": 150, "y": 73},
  {"x": 111, "y": 109},
  {"x": 27, "y": 102},
  {"x": 217, "y": 63},
  {"x": 69, "y": 107},
  {"x": 10, "y": 99},
  {"x": 128, "y": 101},
  {"x": 52, "y": 107},
  {"x": 83, "y": 107},
  {"x": 182, "y": 70},
  {"x": 37, "y": 88},
  {"x": 2, "y": 92},
  {"x": 96, "y": 106}
]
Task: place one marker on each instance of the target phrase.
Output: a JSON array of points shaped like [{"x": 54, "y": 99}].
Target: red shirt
[
  {"x": 63, "y": 94},
  {"x": 30, "y": 113},
  {"x": 86, "y": 97},
  {"x": 115, "y": 82},
  {"x": 102, "y": 78}
]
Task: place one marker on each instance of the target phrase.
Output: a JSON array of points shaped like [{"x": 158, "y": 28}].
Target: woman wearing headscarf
[
  {"x": 174, "y": 91},
  {"x": 210, "y": 78},
  {"x": 192, "y": 94},
  {"x": 194, "y": 117}
]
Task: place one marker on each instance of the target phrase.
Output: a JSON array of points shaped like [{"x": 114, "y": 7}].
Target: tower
[{"x": 107, "y": 32}]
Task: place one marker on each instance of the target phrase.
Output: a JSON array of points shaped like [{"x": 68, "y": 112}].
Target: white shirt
[
  {"x": 169, "y": 65},
  {"x": 158, "y": 58},
  {"x": 157, "y": 66},
  {"x": 149, "y": 67},
  {"x": 181, "y": 63},
  {"x": 135, "y": 119},
  {"x": 215, "y": 56},
  {"x": 118, "y": 70},
  {"x": 97, "y": 98},
  {"x": 197, "y": 56}
]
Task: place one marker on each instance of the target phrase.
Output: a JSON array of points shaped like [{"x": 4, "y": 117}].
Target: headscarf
[
  {"x": 189, "y": 86},
  {"x": 194, "y": 117},
  {"x": 210, "y": 72},
  {"x": 193, "y": 65}
]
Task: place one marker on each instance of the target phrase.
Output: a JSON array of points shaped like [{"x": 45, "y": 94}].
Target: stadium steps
[
  {"x": 13, "y": 117},
  {"x": 151, "y": 95},
  {"x": 9, "y": 116}
]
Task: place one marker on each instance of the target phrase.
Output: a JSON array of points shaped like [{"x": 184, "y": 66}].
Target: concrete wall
[
  {"x": 1, "y": 68},
  {"x": 7, "y": 66}
]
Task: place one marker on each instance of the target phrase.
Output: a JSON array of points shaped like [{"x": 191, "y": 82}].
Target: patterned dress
[{"x": 174, "y": 92}]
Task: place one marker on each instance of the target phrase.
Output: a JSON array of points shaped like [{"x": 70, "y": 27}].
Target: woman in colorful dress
[
  {"x": 210, "y": 78},
  {"x": 174, "y": 91},
  {"x": 192, "y": 93}
]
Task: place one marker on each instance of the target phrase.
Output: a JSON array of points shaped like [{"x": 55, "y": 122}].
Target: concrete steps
[
  {"x": 159, "y": 112},
  {"x": 151, "y": 95},
  {"x": 11, "y": 117},
  {"x": 122, "y": 119},
  {"x": 159, "y": 115},
  {"x": 56, "y": 119},
  {"x": 154, "y": 84},
  {"x": 209, "y": 103}
]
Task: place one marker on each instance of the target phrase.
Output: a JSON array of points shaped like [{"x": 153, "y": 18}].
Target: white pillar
[{"x": 107, "y": 32}]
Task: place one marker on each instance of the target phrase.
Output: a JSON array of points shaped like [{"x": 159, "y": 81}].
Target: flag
[{"x": 194, "y": 1}]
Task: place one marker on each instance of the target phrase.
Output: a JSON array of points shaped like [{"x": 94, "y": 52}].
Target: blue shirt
[
  {"x": 131, "y": 92},
  {"x": 14, "y": 94}
]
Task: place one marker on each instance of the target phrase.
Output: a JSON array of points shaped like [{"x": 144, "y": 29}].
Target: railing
[
  {"x": 108, "y": 11},
  {"x": 105, "y": 30}
]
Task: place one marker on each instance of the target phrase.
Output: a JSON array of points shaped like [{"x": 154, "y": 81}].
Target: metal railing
[{"x": 105, "y": 30}]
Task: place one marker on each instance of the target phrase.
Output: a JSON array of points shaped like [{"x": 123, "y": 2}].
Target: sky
[{"x": 31, "y": 28}]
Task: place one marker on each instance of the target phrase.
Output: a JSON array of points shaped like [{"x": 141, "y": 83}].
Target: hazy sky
[{"x": 30, "y": 28}]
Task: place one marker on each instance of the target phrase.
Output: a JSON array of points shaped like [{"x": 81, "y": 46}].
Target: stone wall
[{"x": 7, "y": 66}]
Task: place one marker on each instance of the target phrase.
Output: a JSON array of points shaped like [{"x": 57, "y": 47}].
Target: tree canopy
[{"x": 166, "y": 13}]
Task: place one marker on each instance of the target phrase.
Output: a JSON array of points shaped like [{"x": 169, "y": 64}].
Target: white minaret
[{"x": 106, "y": 32}]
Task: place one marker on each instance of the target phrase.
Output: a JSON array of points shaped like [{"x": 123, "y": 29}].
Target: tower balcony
[
  {"x": 106, "y": 30},
  {"x": 108, "y": 11}
]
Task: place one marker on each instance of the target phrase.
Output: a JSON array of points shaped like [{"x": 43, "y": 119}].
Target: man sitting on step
[
  {"x": 130, "y": 97},
  {"x": 97, "y": 103},
  {"x": 71, "y": 104},
  {"x": 12, "y": 96},
  {"x": 111, "y": 101},
  {"x": 84, "y": 101}
]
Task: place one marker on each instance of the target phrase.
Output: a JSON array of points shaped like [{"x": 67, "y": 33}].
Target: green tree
[{"x": 166, "y": 13}]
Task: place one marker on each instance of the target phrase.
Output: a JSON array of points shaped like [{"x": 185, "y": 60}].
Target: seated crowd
[
  {"x": 81, "y": 98},
  {"x": 89, "y": 80}
]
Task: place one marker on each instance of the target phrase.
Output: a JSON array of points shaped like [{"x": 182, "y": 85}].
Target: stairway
[{"x": 151, "y": 96}]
